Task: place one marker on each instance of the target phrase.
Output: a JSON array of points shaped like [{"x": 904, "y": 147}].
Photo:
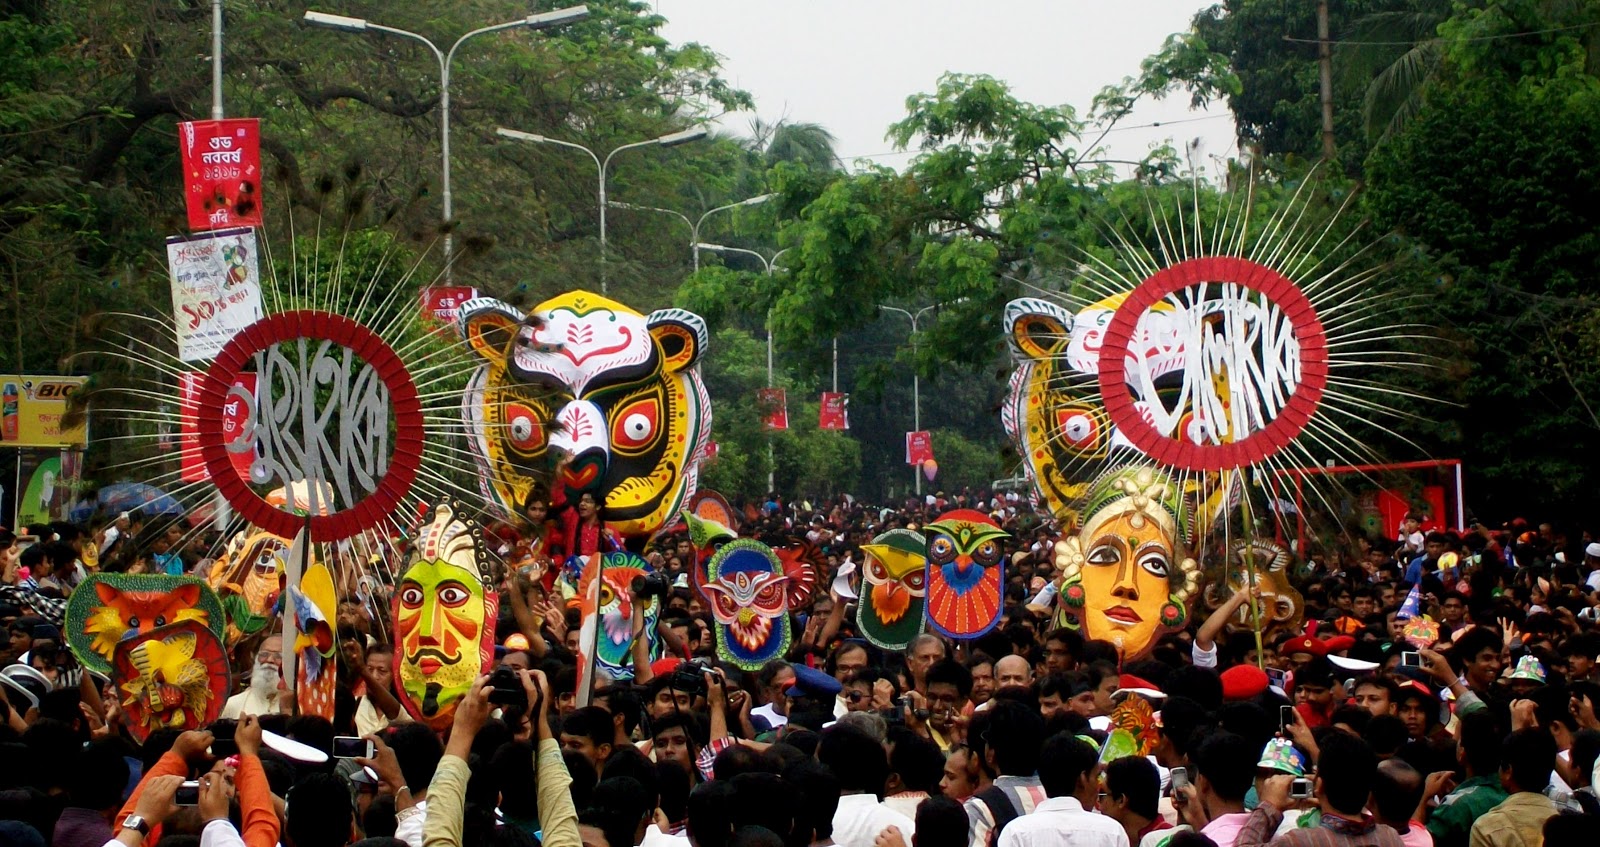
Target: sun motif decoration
[
  {"x": 1215, "y": 349},
  {"x": 966, "y": 573}
]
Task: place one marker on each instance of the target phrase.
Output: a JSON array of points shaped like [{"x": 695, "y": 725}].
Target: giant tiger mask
[
  {"x": 615, "y": 390},
  {"x": 445, "y": 607}
]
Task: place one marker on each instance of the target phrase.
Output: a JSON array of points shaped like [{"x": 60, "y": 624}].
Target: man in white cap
[{"x": 1591, "y": 561}]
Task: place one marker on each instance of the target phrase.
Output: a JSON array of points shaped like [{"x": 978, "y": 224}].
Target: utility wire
[{"x": 1499, "y": 37}]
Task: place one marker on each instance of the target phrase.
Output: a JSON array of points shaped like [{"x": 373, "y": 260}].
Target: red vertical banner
[
  {"x": 774, "y": 408},
  {"x": 235, "y": 418},
  {"x": 835, "y": 412},
  {"x": 440, "y": 303},
  {"x": 919, "y": 447},
  {"x": 221, "y": 172}
]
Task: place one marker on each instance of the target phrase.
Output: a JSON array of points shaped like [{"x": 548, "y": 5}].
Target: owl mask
[
  {"x": 613, "y": 632},
  {"x": 966, "y": 569},
  {"x": 749, "y": 599},
  {"x": 894, "y": 597}
]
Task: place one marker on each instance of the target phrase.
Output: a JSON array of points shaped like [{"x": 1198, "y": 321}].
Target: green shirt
[{"x": 1451, "y": 823}]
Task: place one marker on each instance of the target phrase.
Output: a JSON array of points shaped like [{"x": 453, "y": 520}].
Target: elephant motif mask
[
  {"x": 444, "y": 614},
  {"x": 616, "y": 391}
]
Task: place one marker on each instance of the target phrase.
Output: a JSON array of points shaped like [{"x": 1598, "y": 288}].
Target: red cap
[
  {"x": 1241, "y": 682},
  {"x": 1303, "y": 644},
  {"x": 1138, "y": 685},
  {"x": 663, "y": 667},
  {"x": 1406, "y": 685},
  {"x": 1338, "y": 643}
]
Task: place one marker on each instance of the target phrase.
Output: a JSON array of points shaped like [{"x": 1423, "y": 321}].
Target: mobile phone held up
[
  {"x": 1178, "y": 778},
  {"x": 352, "y": 747},
  {"x": 1285, "y": 718},
  {"x": 1410, "y": 660}
]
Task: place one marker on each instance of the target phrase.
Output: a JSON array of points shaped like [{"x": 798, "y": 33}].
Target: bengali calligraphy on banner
[
  {"x": 216, "y": 289},
  {"x": 441, "y": 302},
  {"x": 919, "y": 447},
  {"x": 835, "y": 412},
  {"x": 235, "y": 416},
  {"x": 774, "y": 408},
  {"x": 221, "y": 172}
]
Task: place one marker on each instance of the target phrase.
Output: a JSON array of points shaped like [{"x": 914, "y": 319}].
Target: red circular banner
[
  {"x": 405, "y": 405},
  {"x": 1177, "y": 450}
]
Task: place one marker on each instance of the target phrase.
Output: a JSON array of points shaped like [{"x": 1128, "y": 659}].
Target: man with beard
[{"x": 261, "y": 698}]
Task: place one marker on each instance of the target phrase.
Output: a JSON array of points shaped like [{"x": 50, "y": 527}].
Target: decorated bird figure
[
  {"x": 894, "y": 600},
  {"x": 965, "y": 573},
  {"x": 802, "y": 560},
  {"x": 750, "y": 604},
  {"x": 170, "y": 680},
  {"x": 614, "y": 609}
]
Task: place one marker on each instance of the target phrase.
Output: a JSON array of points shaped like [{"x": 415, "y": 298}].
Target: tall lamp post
[
  {"x": 916, "y": 379},
  {"x": 769, "y": 264},
  {"x": 671, "y": 139},
  {"x": 543, "y": 20},
  {"x": 694, "y": 226}
]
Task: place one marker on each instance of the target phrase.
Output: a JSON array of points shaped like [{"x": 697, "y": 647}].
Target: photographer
[
  {"x": 447, "y": 792},
  {"x": 257, "y": 814}
]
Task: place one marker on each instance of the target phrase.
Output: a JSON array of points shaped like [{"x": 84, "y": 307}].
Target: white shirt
[
  {"x": 654, "y": 837},
  {"x": 860, "y": 818},
  {"x": 1063, "y": 822},
  {"x": 248, "y": 702},
  {"x": 770, "y": 714},
  {"x": 409, "y": 828},
  {"x": 220, "y": 833}
]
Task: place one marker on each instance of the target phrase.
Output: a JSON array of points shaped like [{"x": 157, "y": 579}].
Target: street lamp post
[
  {"x": 543, "y": 20},
  {"x": 671, "y": 139},
  {"x": 694, "y": 226},
  {"x": 916, "y": 379},
  {"x": 769, "y": 264}
]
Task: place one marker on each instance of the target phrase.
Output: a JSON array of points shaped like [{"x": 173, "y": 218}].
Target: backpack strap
[{"x": 1001, "y": 808}]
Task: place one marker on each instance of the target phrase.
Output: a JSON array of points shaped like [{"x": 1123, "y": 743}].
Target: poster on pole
[
  {"x": 33, "y": 406},
  {"x": 774, "y": 408},
  {"x": 216, "y": 289},
  {"x": 835, "y": 411},
  {"x": 440, "y": 303},
  {"x": 50, "y": 485},
  {"x": 919, "y": 447},
  {"x": 235, "y": 417},
  {"x": 221, "y": 172}
]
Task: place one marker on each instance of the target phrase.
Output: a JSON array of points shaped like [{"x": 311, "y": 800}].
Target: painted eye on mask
[
  {"x": 635, "y": 426},
  {"x": 914, "y": 580},
  {"x": 1155, "y": 563},
  {"x": 987, "y": 552},
  {"x": 453, "y": 594},
  {"x": 1105, "y": 554},
  {"x": 1080, "y": 428},
  {"x": 411, "y": 597},
  {"x": 526, "y": 433},
  {"x": 942, "y": 548}
]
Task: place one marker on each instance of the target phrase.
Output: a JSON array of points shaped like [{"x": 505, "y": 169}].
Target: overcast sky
[{"x": 850, "y": 64}]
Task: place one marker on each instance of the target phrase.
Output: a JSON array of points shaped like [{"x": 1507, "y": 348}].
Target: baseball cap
[
  {"x": 810, "y": 682},
  {"x": 1281, "y": 755},
  {"x": 1130, "y": 684}
]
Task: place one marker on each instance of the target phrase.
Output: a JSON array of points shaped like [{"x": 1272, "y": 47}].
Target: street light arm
[
  {"x": 616, "y": 204},
  {"x": 606, "y": 165},
  {"x": 752, "y": 201},
  {"x": 437, "y": 53},
  {"x": 519, "y": 135},
  {"x": 719, "y": 248}
]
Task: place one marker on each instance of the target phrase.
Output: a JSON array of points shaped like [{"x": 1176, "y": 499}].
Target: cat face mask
[{"x": 107, "y": 609}]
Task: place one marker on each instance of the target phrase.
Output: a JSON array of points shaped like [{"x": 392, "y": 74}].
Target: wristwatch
[{"x": 136, "y": 823}]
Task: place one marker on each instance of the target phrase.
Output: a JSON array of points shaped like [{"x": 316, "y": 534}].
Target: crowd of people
[{"x": 1342, "y": 730}]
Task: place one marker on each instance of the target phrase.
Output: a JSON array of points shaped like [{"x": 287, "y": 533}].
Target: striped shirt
[
  {"x": 1333, "y": 831},
  {"x": 1025, "y": 794}
]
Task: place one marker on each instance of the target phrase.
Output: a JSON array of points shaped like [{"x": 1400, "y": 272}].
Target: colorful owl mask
[
  {"x": 614, "y": 633},
  {"x": 966, "y": 570},
  {"x": 248, "y": 578},
  {"x": 444, "y": 613},
  {"x": 749, "y": 599},
  {"x": 1126, "y": 573},
  {"x": 894, "y": 594},
  {"x": 107, "y": 609},
  {"x": 615, "y": 390}
]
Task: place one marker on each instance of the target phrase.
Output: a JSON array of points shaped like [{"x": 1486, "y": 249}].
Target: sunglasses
[{"x": 855, "y": 696}]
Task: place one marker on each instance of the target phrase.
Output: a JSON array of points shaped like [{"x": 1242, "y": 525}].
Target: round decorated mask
[
  {"x": 966, "y": 570},
  {"x": 894, "y": 595},
  {"x": 617, "y": 392},
  {"x": 444, "y": 614},
  {"x": 614, "y": 635},
  {"x": 1126, "y": 573},
  {"x": 750, "y": 602}
]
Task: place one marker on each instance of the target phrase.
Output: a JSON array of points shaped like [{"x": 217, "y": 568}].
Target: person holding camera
[
  {"x": 1347, "y": 769},
  {"x": 257, "y": 813},
  {"x": 447, "y": 791}
]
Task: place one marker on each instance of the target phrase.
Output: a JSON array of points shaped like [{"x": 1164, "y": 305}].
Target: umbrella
[{"x": 138, "y": 497}]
